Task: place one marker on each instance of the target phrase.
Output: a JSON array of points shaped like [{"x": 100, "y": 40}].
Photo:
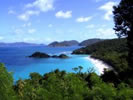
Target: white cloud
[
  {"x": 42, "y": 5},
  {"x": 61, "y": 14},
  {"x": 26, "y": 15},
  {"x": 24, "y": 30},
  {"x": 18, "y": 31},
  {"x": 45, "y": 40},
  {"x": 1, "y": 38},
  {"x": 27, "y": 24},
  {"x": 83, "y": 19},
  {"x": 11, "y": 11},
  {"x": 50, "y": 25},
  {"x": 105, "y": 33},
  {"x": 90, "y": 26},
  {"x": 48, "y": 40},
  {"x": 31, "y": 31},
  {"x": 108, "y": 8},
  {"x": 30, "y": 39},
  {"x": 103, "y": 25},
  {"x": 35, "y": 8}
]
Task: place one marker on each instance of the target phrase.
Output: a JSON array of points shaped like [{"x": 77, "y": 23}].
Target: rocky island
[
  {"x": 39, "y": 55},
  {"x": 62, "y": 56},
  {"x": 44, "y": 55}
]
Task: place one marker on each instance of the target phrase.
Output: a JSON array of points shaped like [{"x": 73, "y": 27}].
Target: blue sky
[{"x": 44, "y": 21}]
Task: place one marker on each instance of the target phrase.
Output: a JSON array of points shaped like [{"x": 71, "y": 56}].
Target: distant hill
[
  {"x": 89, "y": 42},
  {"x": 74, "y": 42},
  {"x": 19, "y": 44},
  {"x": 64, "y": 43}
]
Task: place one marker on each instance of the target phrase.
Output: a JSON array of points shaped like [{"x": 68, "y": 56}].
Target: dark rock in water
[
  {"x": 39, "y": 55},
  {"x": 60, "y": 56},
  {"x": 63, "y": 56},
  {"x": 44, "y": 55}
]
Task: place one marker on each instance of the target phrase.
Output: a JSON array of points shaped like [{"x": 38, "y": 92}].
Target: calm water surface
[{"x": 16, "y": 60}]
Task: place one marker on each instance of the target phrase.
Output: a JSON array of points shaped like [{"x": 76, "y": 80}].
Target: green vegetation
[
  {"x": 6, "y": 84},
  {"x": 44, "y": 55},
  {"x": 114, "y": 52},
  {"x": 59, "y": 85},
  {"x": 123, "y": 18},
  {"x": 118, "y": 53}
]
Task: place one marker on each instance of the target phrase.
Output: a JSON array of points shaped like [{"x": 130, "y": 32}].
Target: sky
[{"x": 44, "y": 21}]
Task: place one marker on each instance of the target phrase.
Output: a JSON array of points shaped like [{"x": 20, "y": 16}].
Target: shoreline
[{"x": 99, "y": 64}]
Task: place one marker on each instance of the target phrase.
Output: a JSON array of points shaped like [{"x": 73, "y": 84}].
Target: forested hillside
[
  {"x": 60, "y": 85},
  {"x": 113, "y": 52},
  {"x": 115, "y": 84},
  {"x": 90, "y": 42}
]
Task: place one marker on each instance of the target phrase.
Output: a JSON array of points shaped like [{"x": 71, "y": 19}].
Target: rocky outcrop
[
  {"x": 60, "y": 56},
  {"x": 63, "y": 56},
  {"x": 44, "y": 55},
  {"x": 39, "y": 55}
]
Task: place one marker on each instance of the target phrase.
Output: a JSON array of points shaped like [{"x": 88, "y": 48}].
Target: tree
[
  {"x": 80, "y": 69},
  {"x": 35, "y": 78},
  {"x": 6, "y": 84},
  {"x": 19, "y": 87},
  {"x": 75, "y": 69},
  {"x": 123, "y": 17}
]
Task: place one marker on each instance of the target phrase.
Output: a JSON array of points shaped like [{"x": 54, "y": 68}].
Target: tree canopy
[
  {"x": 6, "y": 84},
  {"x": 123, "y": 18}
]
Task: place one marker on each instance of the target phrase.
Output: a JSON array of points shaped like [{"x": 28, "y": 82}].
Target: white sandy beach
[{"x": 99, "y": 64}]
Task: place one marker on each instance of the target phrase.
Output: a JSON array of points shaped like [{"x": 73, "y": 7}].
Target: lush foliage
[
  {"x": 123, "y": 18},
  {"x": 6, "y": 84},
  {"x": 59, "y": 85},
  {"x": 114, "y": 52}
]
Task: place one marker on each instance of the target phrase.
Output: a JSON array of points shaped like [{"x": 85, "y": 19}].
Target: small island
[
  {"x": 44, "y": 55},
  {"x": 62, "y": 56},
  {"x": 39, "y": 55}
]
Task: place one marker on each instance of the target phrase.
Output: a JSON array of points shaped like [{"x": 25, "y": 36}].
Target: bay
[{"x": 17, "y": 61}]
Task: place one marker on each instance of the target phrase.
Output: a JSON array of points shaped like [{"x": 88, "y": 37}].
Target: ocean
[{"x": 17, "y": 61}]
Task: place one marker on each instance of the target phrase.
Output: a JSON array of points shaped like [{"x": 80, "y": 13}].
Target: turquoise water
[{"x": 16, "y": 60}]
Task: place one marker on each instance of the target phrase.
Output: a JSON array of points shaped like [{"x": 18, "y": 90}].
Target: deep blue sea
[{"x": 16, "y": 60}]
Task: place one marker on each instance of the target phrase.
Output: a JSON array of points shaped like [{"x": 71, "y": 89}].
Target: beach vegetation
[{"x": 60, "y": 85}]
